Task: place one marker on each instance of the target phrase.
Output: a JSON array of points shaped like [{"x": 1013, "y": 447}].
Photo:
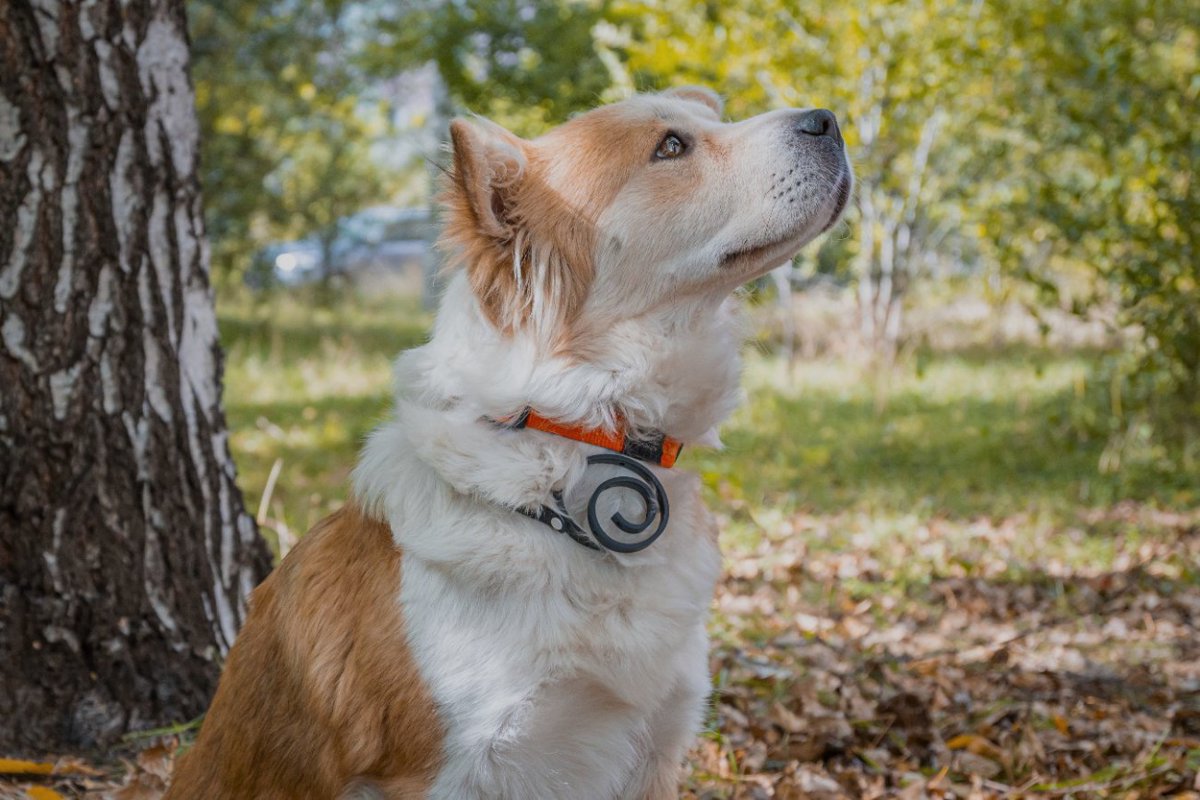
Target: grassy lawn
[
  {"x": 303, "y": 386},
  {"x": 931, "y": 588},
  {"x": 968, "y": 434}
]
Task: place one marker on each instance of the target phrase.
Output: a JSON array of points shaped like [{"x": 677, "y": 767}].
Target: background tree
[
  {"x": 125, "y": 552},
  {"x": 1098, "y": 203},
  {"x": 527, "y": 64},
  {"x": 291, "y": 122},
  {"x": 900, "y": 77}
]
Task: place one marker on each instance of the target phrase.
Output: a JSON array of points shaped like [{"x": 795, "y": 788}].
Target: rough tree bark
[{"x": 125, "y": 551}]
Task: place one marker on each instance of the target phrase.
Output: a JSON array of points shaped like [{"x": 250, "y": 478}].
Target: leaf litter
[
  {"x": 947, "y": 665},
  {"x": 944, "y": 664}
]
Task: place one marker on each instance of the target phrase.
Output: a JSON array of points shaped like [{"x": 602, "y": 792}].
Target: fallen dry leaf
[
  {"x": 13, "y": 766},
  {"x": 42, "y": 793},
  {"x": 911, "y": 699}
]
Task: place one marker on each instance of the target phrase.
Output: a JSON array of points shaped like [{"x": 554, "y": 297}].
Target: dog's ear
[
  {"x": 480, "y": 194},
  {"x": 699, "y": 94},
  {"x": 527, "y": 253},
  {"x": 489, "y": 163}
]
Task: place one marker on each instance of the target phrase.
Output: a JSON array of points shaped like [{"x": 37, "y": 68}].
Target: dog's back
[{"x": 309, "y": 705}]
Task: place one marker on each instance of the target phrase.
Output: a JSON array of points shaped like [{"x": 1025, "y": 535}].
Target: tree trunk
[{"x": 125, "y": 552}]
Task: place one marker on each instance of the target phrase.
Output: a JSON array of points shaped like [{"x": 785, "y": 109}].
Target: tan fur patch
[
  {"x": 699, "y": 94},
  {"x": 477, "y": 196},
  {"x": 543, "y": 210},
  {"x": 320, "y": 692}
]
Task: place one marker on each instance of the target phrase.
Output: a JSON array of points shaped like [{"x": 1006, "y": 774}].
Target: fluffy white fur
[{"x": 560, "y": 672}]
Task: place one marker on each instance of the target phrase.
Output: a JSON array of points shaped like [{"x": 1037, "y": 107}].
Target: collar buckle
[
  {"x": 643, "y": 482},
  {"x": 558, "y": 520},
  {"x": 656, "y": 448}
]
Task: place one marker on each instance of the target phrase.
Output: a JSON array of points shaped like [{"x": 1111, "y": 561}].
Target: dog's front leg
[
  {"x": 672, "y": 727},
  {"x": 664, "y": 782}
]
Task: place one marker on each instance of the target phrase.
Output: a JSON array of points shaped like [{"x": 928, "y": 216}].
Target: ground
[{"x": 942, "y": 580}]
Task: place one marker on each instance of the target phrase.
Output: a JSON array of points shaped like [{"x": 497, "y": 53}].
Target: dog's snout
[{"x": 818, "y": 122}]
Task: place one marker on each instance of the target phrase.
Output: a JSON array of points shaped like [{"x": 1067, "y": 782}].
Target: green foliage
[
  {"x": 1101, "y": 102},
  {"x": 286, "y": 129},
  {"x": 526, "y": 64},
  {"x": 982, "y": 433},
  {"x": 1053, "y": 143}
]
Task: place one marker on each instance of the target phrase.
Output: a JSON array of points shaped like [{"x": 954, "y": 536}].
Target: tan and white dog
[{"x": 432, "y": 639}]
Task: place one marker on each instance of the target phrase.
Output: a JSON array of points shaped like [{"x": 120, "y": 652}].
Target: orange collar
[{"x": 657, "y": 448}]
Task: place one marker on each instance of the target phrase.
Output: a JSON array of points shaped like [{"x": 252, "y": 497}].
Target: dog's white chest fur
[{"x": 558, "y": 672}]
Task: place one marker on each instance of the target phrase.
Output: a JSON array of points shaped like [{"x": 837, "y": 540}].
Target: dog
[{"x": 513, "y": 602}]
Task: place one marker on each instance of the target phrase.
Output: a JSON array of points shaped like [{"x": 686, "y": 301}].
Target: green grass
[
  {"x": 970, "y": 434},
  {"x": 304, "y": 385},
  {"x": 959, "y": 435}
]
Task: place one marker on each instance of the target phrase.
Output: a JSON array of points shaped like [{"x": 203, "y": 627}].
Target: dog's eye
[{"x": 670, "y": 147}]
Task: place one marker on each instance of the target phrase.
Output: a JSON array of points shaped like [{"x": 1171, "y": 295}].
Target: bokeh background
[{"x": 961, "y": 504}]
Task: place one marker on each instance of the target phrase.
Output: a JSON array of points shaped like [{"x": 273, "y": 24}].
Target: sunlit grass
[
  {"x": 960, "y": 436},
  {"x": 304, "y": 385},
  {"x": 966, "y": 435}
]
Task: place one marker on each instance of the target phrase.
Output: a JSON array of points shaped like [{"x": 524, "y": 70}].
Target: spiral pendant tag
[{"x": 654, "y": 499}]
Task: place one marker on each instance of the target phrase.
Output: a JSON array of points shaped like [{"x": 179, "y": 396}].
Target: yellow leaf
[
  {"x": 42, "y": 793},
  {"x": 1063, "y": 726},
  {"x": 974, "y": 743},
  {"x": 962, "y": 741},
  {"x": 12, "y": 766},
  {"x": 228, "y": 124}
]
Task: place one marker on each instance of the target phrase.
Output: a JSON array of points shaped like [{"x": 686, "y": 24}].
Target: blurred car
[{"x": 375, "y": 241}]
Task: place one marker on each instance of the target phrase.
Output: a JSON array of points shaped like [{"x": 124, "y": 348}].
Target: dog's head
[{"x": 635, "y": 205}]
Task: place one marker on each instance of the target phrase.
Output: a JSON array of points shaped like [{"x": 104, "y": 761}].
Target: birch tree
[
  {"x": 125, "y": 552},
  {"x": 904, "y": 80}
]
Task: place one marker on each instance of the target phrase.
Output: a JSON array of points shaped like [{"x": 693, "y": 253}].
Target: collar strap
[
  {"x": 560, "y": 521},
  {"x": 656, "y": 448}
]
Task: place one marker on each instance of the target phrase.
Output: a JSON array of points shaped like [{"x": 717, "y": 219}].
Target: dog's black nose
[{"x": 819, "y": 122}]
